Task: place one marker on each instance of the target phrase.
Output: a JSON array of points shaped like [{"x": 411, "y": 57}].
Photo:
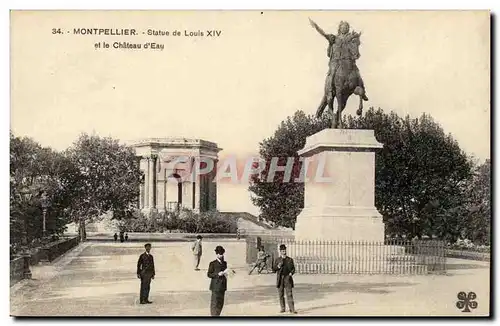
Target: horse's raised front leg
[
  {"x": 360, "y": 109},
  {"x": 360, "y": 89}
]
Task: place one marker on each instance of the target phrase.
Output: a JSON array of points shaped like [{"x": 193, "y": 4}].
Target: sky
[{"x": 235, "y": 89}]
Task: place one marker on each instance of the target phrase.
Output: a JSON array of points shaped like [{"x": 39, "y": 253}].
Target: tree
[
  {"x": 421, "y": 173},
  {"x": 108, "y": 179},
  {"x": 477, "y": 225},
  {"x": 35, "y": 170},
  {"x": 281, "y": 202}
]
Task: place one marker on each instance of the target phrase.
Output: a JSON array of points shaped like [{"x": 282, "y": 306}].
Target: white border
[
  {"x": 257, "y": 4},
  {"x": 184, "y": 4}
]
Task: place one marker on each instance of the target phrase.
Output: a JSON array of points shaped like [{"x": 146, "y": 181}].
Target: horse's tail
[{"x": 321, "y": 108}]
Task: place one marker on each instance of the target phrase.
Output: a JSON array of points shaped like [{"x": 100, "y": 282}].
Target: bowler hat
[
  {"x": 219, "y": 250},
  {"x": 282, "y": 247}
]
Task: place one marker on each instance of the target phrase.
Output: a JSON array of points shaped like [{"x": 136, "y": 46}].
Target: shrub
[
  {"x": 172, "y": 221},
  {"x": 466, "y": 244},
  {"x": 207, "y": 222},
  {"x": 183, "y": 221},
  {"x": 138, "y": 223}
]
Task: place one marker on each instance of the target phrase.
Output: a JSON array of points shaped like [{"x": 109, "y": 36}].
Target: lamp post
[
  {"x": 45, "y": 202},
  {"x": 26, "y": 195}
]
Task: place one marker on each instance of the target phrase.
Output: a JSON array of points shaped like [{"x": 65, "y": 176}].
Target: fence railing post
[{"x": 391, "y": 256}]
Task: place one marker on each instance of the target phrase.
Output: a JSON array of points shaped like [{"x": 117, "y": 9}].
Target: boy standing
[{"x": 197, "y": 249}]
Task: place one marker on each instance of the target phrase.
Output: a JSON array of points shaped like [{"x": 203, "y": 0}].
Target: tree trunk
[{"x": 81, "y": 230}]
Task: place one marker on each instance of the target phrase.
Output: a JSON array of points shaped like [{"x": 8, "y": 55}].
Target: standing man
[
  {"x": 145, "y": 272},
  {"x": 196, "y": 248},
  {"x": 284, "y": 268},
  {"x": 217, "y": 271}
]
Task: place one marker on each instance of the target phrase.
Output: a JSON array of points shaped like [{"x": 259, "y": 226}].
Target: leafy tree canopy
[{"x": 421, "y": 173}]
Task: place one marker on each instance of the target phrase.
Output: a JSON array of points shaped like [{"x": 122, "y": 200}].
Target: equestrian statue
[{"x": 343, "y": 78}]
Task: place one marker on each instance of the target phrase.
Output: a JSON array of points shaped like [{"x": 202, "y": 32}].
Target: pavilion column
[
  {"x": 141, "y": 195},
  {"x": 145, "y": 186},
  {"x": 162, "y": 189},
  {"x": 212, "y": 185},
  {"x": 151, "y": 182},
  {"x": 197, "y": 192}
]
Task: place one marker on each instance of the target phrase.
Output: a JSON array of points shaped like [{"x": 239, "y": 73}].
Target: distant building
[{"x": 167, "y": 183}]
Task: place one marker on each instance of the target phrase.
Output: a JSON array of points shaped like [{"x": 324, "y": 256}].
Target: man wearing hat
[
  {"x": 217, "y": 271},
  {"x": 284, "y": 268},
  {"x": 145, "y": 272}
]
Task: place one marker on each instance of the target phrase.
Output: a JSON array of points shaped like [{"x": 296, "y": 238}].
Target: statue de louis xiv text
[{"x": 151, "y": 32}]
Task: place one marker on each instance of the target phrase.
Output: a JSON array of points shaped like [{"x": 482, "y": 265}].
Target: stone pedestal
[{"x": 342, "y": 208}]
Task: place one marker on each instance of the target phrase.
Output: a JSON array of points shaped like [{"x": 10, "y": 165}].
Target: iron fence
[
  {"x": 173, "y": 207},
  {"x": 356, "y": 257}
]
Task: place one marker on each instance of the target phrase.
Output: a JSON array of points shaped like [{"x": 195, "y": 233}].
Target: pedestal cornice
[{"x": 345, "y": 140}]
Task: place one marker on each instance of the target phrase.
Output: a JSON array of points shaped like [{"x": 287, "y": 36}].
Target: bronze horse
[{"x": 343, "y": 80}]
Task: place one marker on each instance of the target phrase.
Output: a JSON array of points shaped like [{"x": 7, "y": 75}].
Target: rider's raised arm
[{"x": 322, "y": 32}]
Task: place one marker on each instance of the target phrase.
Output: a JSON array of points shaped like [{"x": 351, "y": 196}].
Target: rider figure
[{"x": 337, "y": 51}]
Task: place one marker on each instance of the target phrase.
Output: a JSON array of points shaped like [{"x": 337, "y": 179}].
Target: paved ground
[{"x": 98, "y": 279}]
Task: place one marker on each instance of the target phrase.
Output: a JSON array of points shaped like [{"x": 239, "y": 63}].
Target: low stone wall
[
  {"x": 47, "y": 253},
  {"x": 53, "y": 250},
  {"x": 16, "y": 270},
  {"x": 466, "y": 254},
  {"x": 37, "y": 256}
]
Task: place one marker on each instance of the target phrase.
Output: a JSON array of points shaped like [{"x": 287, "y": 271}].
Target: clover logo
[{"x": 466, "y": 301}]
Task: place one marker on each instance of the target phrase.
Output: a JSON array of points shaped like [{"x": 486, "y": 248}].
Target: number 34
[{"x": 56, "y": 31}]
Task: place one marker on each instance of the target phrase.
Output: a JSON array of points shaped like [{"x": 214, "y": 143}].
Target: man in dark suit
[
  {"x": 217, "y": 271},
  {"x": 284, "y": 268},
  {"x": 145, "y": 272}
]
